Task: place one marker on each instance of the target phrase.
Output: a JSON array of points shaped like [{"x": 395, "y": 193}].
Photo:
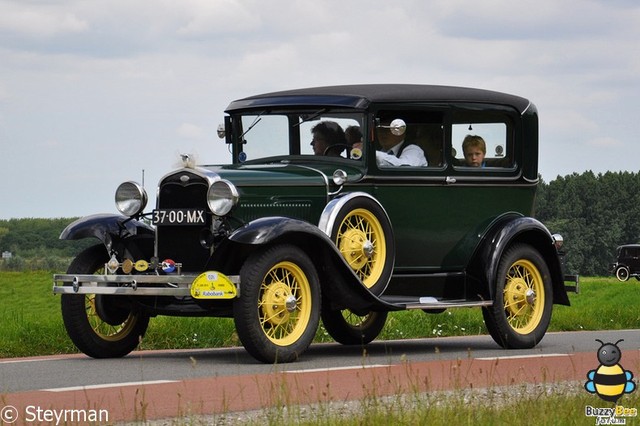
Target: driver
[
  {"x": 328, "y": 138},
  {"x": 395, "y": 150}
]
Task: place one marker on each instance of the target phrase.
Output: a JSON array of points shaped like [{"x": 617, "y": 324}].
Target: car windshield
[{"x": 314, "y": 133}]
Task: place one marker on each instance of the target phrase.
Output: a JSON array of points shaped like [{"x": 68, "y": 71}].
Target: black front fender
[
  {"x": 108, "y": 228},
  {"x": 267, "y": 229}
]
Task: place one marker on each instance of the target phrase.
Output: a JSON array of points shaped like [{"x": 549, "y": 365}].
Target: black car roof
[{"x": 361, "y": 95}]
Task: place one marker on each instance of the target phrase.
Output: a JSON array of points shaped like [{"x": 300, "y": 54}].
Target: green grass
[
  {"x": 31, "y": 323},
  {"x": 531, "y": 405},
  {"x": 527, "y": 404}
]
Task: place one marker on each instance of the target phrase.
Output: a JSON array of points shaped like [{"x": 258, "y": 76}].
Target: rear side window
[{"x": 481, "y": 145}]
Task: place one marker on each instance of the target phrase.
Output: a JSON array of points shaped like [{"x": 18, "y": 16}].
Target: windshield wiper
[
  {"x": 312, "y": 117},
  {"x": 255, "y": 121}
]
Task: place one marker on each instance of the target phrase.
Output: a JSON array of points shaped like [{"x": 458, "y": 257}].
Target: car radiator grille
[{"x": 182, "y": 243}]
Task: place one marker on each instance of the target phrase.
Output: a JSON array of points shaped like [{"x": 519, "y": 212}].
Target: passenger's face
[{"x": 474, "y": 156}]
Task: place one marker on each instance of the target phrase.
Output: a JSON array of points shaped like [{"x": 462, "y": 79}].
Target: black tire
[
  {"x": 101, "y": 326},
  {"x": 278, "y": 311},
  {"x": 622, "y": 273},
  {"x": 521, "y": 311},
  {"x": 349, "y": 328},
  {"x": 364, "y": 236}
]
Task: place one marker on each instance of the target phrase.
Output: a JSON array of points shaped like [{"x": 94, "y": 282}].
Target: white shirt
[{"x": 412, "y": 155}]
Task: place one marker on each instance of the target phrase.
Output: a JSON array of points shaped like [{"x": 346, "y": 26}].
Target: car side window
[
  {"x": 419, "y": 144},
  {"x": 480, "y": 145}
]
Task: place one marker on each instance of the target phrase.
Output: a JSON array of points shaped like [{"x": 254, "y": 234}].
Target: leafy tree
[{"x": 594, "y": 213}]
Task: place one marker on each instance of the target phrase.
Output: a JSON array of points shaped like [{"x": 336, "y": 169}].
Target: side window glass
[
  {"x": 480, "y": 145},
  {"x": 419, "y": 143}
]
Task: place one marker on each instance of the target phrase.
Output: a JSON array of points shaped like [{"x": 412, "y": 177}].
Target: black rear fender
[{"x": 506, "y": 231}]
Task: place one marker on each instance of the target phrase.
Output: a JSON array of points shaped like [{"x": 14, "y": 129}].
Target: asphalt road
[{"x": 229, "y": 379}]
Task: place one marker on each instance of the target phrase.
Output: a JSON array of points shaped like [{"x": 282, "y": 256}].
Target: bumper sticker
[{"x": 213, "y": 285}]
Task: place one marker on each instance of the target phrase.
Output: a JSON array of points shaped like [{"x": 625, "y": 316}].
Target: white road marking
[
  {"x": 108, "y": 385},
  {"x": 357, "y": 367},
  {"x": 520, "y": 357},
  {"x": 17, "y": 361}
]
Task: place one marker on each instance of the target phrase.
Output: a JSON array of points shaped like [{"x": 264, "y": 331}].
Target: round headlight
[
  {"x": 222, "y": 197},
  {"x": 131, "y": 198}
]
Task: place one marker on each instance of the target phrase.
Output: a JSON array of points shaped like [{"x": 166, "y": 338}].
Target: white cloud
[
  {"x": 38, "y": 20},
  {"x": 605, "y": 142},
  {"x": 205, "y": 17},
  {"x": 190, "y": 131}
]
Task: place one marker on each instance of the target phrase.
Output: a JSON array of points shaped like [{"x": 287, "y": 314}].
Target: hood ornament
[{"x": 188, "y": 161}]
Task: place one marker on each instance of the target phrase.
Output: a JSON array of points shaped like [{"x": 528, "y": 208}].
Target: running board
[{"x": 431, "y": 303}]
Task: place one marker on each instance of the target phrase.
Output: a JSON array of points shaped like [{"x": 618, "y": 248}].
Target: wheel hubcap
[
  {"x": 530, "y": 296},
  {"x": 276, "y": 302},
  {"x": 516, "y": 295},
  {"x": 356, "y": 248}
]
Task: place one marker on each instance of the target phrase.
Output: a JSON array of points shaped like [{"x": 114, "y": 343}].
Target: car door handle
[{"x": 449, "y": 180}]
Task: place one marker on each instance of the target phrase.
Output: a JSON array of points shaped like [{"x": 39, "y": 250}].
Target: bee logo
[{"x": 609, "y": 381}]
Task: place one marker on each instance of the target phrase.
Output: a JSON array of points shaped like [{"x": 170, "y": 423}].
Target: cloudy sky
[{"x": 93, "y": 92}]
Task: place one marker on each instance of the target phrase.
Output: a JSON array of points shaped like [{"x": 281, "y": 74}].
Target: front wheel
[
  {"x": 278, "y": 311},
  {"x": 349, "y": 328},
  {"x": 101, "y": 326},
  {"x": 622, "y": 273},
  {"x": 521, "y": 310}
]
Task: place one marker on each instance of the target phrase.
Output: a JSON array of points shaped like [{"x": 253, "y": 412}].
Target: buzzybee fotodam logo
[{"x": 610, "y": 381}]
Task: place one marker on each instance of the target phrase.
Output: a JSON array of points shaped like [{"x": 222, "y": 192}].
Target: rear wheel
[
  {"x": 622, "y": 273},
  {"x": 349, "y": 328},
  {"x": 278, "y": 311},
  {"x": 521, "y": 311},
  {"x": 101, "y": 326}
]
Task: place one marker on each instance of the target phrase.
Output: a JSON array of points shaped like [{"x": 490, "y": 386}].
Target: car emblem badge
[
  {"x": 127, "y": 266},
  {"x": 141, "y": 265},
  {"x": 168, "y": 265}
]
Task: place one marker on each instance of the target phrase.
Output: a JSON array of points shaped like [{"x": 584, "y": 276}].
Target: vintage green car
[{"x": 340, "y": 203}]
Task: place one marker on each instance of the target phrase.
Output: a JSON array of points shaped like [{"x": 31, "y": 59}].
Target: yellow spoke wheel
[
  {"x": 278, "y": 311},
  {"x": 364, "y": 236},
  {"x": 361, "y": 241},
  {"x": 523, "y": 299},
  {"x": 104, "y": 329},
  {"x": 284, "y": 307},
  {"x": 524, "y": 296},
  {"x": 101, "y": 326}
]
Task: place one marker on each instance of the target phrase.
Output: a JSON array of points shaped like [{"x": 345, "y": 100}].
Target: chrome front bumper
[{"x": 128, "y": 285}]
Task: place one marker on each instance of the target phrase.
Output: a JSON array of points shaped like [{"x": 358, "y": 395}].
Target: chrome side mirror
[
  {"x": 221, "y": 131},
  {"x": 397, "y": 127}
]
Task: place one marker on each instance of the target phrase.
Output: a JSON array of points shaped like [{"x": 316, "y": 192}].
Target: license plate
[{"x": 179, "y": 217}]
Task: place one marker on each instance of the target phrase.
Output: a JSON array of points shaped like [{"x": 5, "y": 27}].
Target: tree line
[
  {"x": 594, "y": 214},
  {"x": 34, "y": 244}
]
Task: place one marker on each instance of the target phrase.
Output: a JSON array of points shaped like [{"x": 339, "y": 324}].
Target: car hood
[{"x": 298, "y": 174}]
